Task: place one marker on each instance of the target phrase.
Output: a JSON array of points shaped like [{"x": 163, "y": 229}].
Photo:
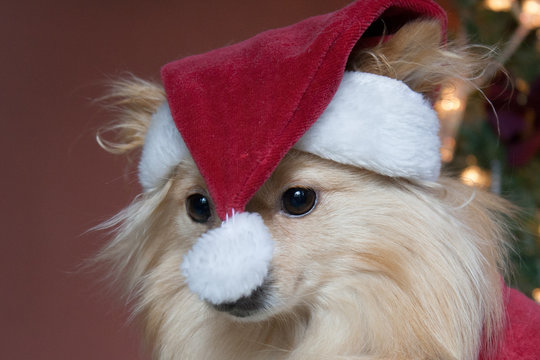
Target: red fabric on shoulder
[
  {"x": 240, "y": 108},
  {"x": 522, "y": 334}
]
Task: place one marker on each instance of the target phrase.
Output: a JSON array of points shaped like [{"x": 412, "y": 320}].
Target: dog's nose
[
  {"x": 230, "y": 262},
  {"x": 246, "y": 305}
]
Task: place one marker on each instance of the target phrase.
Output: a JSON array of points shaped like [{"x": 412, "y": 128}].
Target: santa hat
[{"x": 238, "y": 110}]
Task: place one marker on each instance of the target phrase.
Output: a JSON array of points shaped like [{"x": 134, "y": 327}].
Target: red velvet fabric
[
  {"x": 522, "y": 334},
  {"x": 240, "y": 108}
]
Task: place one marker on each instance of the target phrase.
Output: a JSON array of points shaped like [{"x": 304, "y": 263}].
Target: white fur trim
[
  {"x": 231, "y": 261},
  {"x": 372, "y": 122},
  {"x": 380, "y": 124},
  {"x": 163, "y": 149}
]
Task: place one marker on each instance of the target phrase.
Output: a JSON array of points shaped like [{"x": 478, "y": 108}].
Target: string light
[
  {"x": 449, "y": 100},
  {"x": 448, "y": 145},
  {"x": 530, "y": 14},
  {"x": 451, "y": 104},
  {"x": 536, "y": 295},
  {"x": 529, "y": 19},
  {"x": 499, "y": 5},
  {"x": 450, "y": 107},
  {"x": 475, "y": 176}
]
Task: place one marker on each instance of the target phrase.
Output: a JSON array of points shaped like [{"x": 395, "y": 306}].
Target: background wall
[{"x": 57, "y": 183}]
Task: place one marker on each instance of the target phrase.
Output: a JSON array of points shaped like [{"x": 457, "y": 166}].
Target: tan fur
[
  {"x": 135, "y": 100},
  {"x": 414, "y": 55},
  {"x": 382, "y": 268}
]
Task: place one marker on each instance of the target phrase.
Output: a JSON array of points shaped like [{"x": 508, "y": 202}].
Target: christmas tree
[{"x": 492, "y": 137}]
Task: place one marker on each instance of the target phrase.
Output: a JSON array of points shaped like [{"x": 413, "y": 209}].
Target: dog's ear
[
  {"x": 416, "y": 55},
  {"x": 133, "y": 101}
]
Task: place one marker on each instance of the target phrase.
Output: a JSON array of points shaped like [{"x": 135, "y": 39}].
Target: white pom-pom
[{"x": 231, "y": 261}]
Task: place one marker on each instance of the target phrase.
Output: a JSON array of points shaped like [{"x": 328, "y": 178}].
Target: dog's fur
[{"x": 382, "y": 268}]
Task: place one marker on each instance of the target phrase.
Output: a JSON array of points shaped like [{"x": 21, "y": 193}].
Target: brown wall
[{"x": 56, "y": 182}]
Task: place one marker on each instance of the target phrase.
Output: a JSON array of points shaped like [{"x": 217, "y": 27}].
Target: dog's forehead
[
  {"x": 187, "y": 178},
  {"x": 297, "y": 168},
  {"x": 305, "y": 169}
]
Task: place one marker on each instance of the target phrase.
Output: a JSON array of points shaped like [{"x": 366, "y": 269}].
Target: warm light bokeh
[
  {"x": 530, "y": 14},
  {"x": 499, "y": 5},
  {"x": 474, "y": 175},
  {"x": 449, "y": 101},
  {"x": 536, "y": 295},
  {"x": 448, "y": 145}
]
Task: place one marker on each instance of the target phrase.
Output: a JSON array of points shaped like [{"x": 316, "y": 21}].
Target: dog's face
[
  {"x": 363, "y": 264},
  {"x": 308, "y": 204},
  {"x": 348, "y": 242},
  {"x": 295, "y": 204}
]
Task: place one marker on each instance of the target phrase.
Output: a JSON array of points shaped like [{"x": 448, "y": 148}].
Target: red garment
[
  {"x": 522, "y": 333},
  {"x": 241, "y": 108}
]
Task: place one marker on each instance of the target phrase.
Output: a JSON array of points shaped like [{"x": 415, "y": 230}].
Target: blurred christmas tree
[{"x": 493, "y": 138}]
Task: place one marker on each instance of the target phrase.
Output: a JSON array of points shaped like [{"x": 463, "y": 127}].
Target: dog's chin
[
  {"x": 247, "y": 316},
  {"x": 252, "y": 308}
]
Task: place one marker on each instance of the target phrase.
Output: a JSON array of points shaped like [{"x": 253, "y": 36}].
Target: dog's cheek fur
[
  {"x": 433, "y": 284},
  {"x": 154, "y": 234},
  {"x": 411, "y": 263},
  {"x": 380, "y": 267}
]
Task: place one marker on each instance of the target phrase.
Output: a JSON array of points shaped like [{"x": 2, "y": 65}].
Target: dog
[{"x": 364, "y": 265}]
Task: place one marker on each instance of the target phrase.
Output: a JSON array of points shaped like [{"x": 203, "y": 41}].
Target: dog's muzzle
[
  {"x": 247, "y": 305},
  {"x": 227, "y": 267}
]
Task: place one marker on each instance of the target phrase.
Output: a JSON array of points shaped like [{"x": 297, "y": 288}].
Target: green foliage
[
  {"x": 477, "y": 137},
  {"x": 518, "y": 185}
]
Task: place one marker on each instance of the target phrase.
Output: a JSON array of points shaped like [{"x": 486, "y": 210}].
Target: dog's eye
[
  {"x": 298, "y": 201},
  {"x": 198, "y": 208}
]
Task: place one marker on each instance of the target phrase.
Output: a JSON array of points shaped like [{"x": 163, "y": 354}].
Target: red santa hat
[{"x": 238, "y": 110}]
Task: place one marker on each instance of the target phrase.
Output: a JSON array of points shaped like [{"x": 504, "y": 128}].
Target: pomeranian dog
[{"x": 364, "y": 266}]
